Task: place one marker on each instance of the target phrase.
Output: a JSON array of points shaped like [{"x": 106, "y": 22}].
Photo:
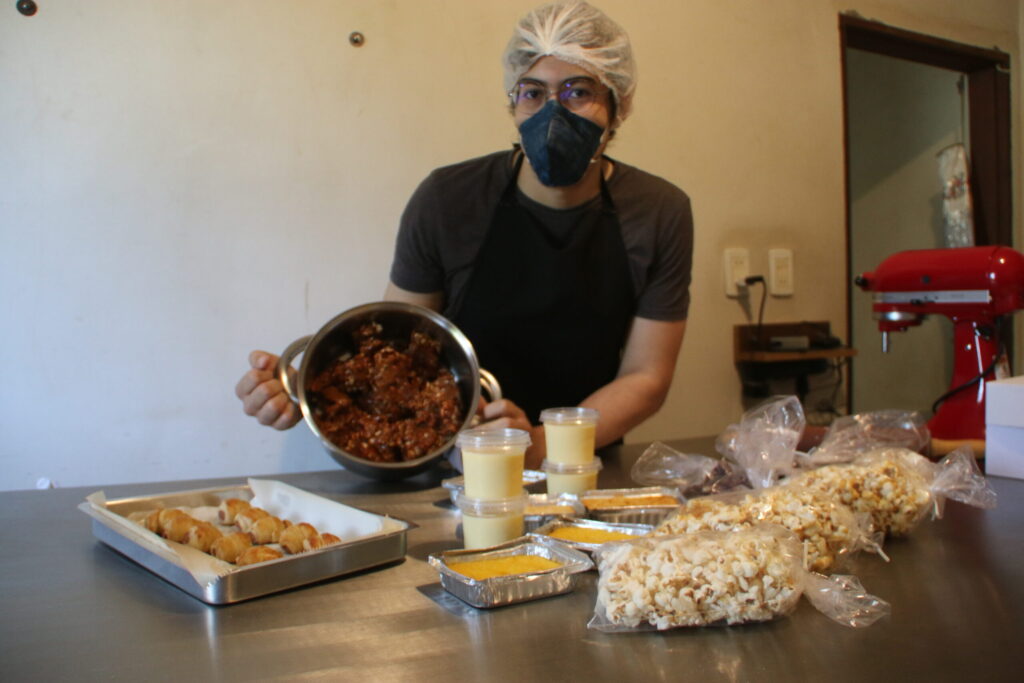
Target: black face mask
[{"x": 559, "y": 144}]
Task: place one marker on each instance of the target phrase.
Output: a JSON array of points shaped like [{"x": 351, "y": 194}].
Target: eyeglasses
[{"x": 576, "y": 94}]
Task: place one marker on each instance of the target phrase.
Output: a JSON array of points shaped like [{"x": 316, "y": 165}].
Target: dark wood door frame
[{"x": 988, "y": 77}]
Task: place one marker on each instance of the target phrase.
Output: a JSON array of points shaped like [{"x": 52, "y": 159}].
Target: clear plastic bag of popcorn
[
  {"x": 764, "y": 442},
  {"x": 831, "y": 533},
  {"x": 718, "y": 578},
  {"x": 898, "y": 488},
  {"x": 852, "y": 435}
]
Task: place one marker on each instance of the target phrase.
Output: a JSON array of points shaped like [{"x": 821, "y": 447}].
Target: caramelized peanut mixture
[{"x": 389, "y": 402}]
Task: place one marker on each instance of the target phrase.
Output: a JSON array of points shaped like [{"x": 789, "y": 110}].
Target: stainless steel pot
[{"x": 399, "y": 321}]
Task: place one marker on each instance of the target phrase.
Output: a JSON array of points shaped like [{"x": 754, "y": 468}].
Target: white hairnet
[{"x": 580, "y": 34}]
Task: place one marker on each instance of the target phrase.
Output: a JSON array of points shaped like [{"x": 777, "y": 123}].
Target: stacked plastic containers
[
  {"x": 570, "y": 465},
  {"x": 493, "y": 500}
]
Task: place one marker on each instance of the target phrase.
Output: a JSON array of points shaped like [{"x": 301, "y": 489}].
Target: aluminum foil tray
[
  {"x": 506, "y": 590},
  {"x": 457, "y": 484},
  {"x": 544, "y": 532},
  {"x": 567, "y": 504},
  {"x": 640, "y": 505},
  {"x": 111, "y": 525}
]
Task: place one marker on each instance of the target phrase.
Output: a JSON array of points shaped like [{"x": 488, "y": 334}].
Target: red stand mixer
[{"x": 972, "y": 286}]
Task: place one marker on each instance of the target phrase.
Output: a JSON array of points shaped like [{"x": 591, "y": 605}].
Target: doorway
[{"x": 907, "y": 97}]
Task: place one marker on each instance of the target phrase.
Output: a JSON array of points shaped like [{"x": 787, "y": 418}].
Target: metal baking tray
[
  {"x": 111, "y": 525},
  {"x": 568, "y": 503},
  {"x": 506, "y": 590},
  {"x": 544, "y": 532},
  {"x": 637, "y": 511},
  {"x": 455, "y": 485}
]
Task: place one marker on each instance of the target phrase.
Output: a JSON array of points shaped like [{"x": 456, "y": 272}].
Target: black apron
[{"x": 549, "y": 319}]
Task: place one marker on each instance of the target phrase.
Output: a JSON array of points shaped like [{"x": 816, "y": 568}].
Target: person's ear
[{"x": 623, "y": 105}]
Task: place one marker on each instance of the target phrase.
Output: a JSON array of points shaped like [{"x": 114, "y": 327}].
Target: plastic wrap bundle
[
  {"x": 764, "y": 442},
  {"x": 898, "y": 487},
  {"x": 830, "y": 532},
  {"x": 718, "y": 577},
  {"x": 694, "y": 475},
  {"x": 956, "y": 196},
  {"x": 852, "y": 435}
]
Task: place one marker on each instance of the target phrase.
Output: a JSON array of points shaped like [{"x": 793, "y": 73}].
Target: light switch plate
[
  {"x": 736, "y": 269},
  {"x": 780, "y": 272}
]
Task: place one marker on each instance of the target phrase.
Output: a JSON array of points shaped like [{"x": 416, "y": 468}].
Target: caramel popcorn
[
  {"x": 828, "y": 530},
  {"x": 888, "y": 484},
  {"x": 699, "y": 579}
]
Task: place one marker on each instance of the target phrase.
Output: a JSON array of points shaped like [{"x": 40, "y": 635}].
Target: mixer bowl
[{"x": 399, "y": 320}]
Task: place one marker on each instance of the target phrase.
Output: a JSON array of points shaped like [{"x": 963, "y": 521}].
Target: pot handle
[
  {"x": 490, "y": 385},
  {"x": 285, "y": 362}
]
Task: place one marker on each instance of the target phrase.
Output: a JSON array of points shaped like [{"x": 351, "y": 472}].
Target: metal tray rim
[
  {"x": 499, "y": 591},
  {"x": 641, "y": 529}
]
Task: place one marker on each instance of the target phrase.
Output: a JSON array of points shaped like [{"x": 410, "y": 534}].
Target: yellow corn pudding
[
  {"x": 617, "y": 501},
  {"x": 579, "y": 534},
  {"x": 503, "y": 566}
]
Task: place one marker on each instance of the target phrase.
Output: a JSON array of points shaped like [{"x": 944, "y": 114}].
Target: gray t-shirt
[{"x": 447, "y": 218}]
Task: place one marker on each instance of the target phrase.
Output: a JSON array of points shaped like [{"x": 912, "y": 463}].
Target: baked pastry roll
[
  {"x": 163, "y": 519},
  {"x": 177, "y": 527},
  {"x": 244, "y": 519},
  {"x": 320, "y": 541},
  {"x": 152, "y": 521},
  {"x": 258, "y": 553},
  {"x": 229, "y": 546},
  {"x": 227, "y": 510},
  {"x": 266, "y": 530},
  {"x": 202, "y": 535},
  {"x": 293, "y": 538}
]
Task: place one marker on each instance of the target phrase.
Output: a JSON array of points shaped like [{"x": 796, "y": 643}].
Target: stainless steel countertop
[{"x": 71, "y": 608}]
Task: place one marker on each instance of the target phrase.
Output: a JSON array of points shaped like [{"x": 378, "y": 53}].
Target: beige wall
[{"x": 187, "y": 180}]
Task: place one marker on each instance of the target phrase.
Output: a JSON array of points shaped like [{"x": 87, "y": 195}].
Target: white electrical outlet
[
  {"x": 780, "y": 272},
  {"x": 737, "y": 268}
]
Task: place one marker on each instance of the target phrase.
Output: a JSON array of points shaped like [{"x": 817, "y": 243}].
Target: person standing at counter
[{"x": 570, "y": 272}]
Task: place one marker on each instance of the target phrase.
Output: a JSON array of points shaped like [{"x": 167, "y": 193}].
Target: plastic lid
[
  {"x": 489, "y": 437},
  {"x": 575, "y": 415},
  {"x": 491, "y": 507},
  {"x": 571, "y": 468}
]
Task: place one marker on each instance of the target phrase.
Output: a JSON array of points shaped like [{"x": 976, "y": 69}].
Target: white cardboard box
[{"x": 1004, "y": 427}]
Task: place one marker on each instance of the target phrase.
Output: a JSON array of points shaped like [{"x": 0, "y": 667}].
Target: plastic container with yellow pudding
[
  {"x": 570, "y": 434},
  {"x": 571, "y": 478},
  {"x": 490, "y": 522},
  {"x": 492, "y": 462}
]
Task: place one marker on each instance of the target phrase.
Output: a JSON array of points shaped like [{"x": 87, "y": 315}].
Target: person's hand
[
  {"x": 504, "y": 414},
  {"x": 263, "y": 396}
]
